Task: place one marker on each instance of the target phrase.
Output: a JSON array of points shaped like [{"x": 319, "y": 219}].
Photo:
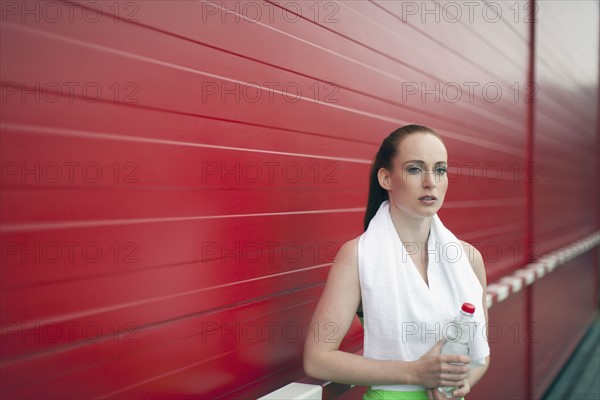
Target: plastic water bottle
[{"x": 458, "y": 338}]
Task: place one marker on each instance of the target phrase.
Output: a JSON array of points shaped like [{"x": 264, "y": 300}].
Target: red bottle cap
[{"x": 468, "y": 308}]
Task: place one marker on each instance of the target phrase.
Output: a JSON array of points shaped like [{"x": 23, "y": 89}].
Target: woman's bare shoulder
[
  {"x": 476, "y": 260},
  {"x": 471, "y": 251},
  {"x": 349, "y": 250}
]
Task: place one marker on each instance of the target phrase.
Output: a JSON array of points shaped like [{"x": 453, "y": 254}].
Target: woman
[{"x": 405, "y": 312}]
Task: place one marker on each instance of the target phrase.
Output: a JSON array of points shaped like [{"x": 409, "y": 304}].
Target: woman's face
[{"x": 419, "y": 169}]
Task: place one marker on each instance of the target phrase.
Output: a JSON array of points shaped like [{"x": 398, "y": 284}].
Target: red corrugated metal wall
[
  {"x": 565, "y": 148},
  {"x": 177, "y": 177}
]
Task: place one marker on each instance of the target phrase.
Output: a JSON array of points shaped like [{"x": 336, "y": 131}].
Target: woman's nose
[{"x": 429, "y": 179}]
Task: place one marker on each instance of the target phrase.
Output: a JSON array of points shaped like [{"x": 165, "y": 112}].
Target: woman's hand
[
  {"x": 463, "y": 389},
  {"x": 435, "y": 370}
]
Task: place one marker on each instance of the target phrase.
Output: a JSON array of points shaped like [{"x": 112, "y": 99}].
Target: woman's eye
[
  {"x": 440, "y": 171},
  {"x": 413, "y": 170}
]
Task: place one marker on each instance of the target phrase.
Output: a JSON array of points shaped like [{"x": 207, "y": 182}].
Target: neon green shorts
[{"x": 395, "y": 395}]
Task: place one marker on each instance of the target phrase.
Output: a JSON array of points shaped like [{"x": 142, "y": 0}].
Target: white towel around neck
[{"x": 403, "y": 317}]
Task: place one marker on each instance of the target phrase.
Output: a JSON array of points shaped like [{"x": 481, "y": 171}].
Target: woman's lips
[{"x": 428, "y": 199}]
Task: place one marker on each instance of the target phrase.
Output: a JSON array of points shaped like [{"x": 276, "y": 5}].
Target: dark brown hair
[{"x": 383, "y": 159}]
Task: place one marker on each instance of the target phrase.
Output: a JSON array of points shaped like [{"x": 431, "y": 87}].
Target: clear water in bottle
[
  {"x": 458, "y": 339},
  {"x": 453, "y": 348}
]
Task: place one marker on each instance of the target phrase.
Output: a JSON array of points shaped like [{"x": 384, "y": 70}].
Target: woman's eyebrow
[
  {"x": 422, "y": 162},
  {"x": 414, "y": 161}
]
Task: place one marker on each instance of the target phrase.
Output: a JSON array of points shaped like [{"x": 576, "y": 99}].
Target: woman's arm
[
  {"x": 478, "y": 267},
  {"x": 332, "y": 319}
]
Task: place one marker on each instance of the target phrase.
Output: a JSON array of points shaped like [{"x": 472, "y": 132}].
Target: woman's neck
[{"x": 410, "y": 229}]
